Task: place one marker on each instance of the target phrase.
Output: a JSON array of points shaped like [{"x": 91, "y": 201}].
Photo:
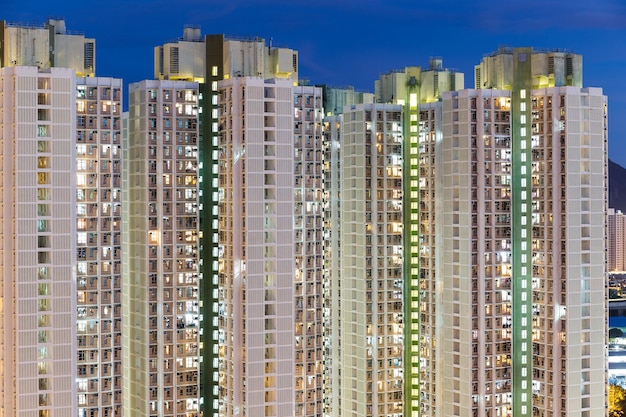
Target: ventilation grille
[
  {"x": 174, "y": 63},
  {"x": 89, "y": 58}
]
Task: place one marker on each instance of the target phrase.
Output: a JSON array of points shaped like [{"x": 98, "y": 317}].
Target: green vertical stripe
[{"x": 521, "y": 233}]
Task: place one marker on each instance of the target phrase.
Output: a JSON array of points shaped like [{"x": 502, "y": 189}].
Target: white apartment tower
[
  {"x": 99, "y": 245},
  {"x": 98, "y": 104},
  {"x": 256, "y": 245},
  {"x": 513, "y": 263},
  {"x": 160, "y": 324},
  {"x": 208, "y": 60},
  {"x": 37, "y": 275},
  {"x": 308, "y": 250},
  {"x": 414, "y": 88},
  {"x": 366, "y": 331}
]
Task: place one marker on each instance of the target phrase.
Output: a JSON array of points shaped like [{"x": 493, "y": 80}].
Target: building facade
[
  {"x": 520, "y": 190},
  {"x": 332, "y": 256},
  {"x": 37, "y": 275},
  {"x": 308, "y": 250},
  {"x": 160, "y": 327},
  {"x": 415, "y": 88},
  {"x": 367, "y": 314},
  {"x": 208, "y": 60},
  {"x": 98, "y": 142},
  {"x": 256, "y": 246}
]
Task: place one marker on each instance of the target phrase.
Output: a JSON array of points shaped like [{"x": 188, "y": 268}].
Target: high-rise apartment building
[
  {"x": 308, "y": 250},
  {"x": 37, "y": 275},
  {"x": 256, "y": 244},
  {"x": 97, "y": 194},
  {"x": 46, "y": 46},
  {"x": 365, "y": 318},
  {"x": 160, "y": 333},
  {"x": 414, "y": 88},
  {"x": 616, "y": 249},
  {"x": 209, "y": 60},
  {"x": 513, "y": 262},
  {"x": 98, "y": 142}
]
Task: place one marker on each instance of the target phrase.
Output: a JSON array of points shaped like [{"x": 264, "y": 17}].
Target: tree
[
  {"x": 615, "y": 332},
  {"x": 617, "y": 401}
]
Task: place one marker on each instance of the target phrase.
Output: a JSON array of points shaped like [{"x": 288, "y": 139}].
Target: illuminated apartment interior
[
  {"x": 99, "y": 245},
  {"x": 308, "y": 250}
]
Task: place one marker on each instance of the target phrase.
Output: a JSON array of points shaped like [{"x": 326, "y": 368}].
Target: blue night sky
[{"x": 351, "y": 42}]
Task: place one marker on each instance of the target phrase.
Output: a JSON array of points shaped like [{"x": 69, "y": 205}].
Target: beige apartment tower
[
  {"x": 208, "y": 60},
  {"x": 160, "y": 321},
  {"x": 365, "y": 335},
  {"x": 414, "y": 88},
  {"x": 37, "y": 275},
  {"x": 513, "y": 268},
  {"x": 257, "y": 252}
]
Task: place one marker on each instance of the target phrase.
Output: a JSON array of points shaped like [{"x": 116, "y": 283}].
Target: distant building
[
  {"x": 548, "y": 68},
  {"x": 616, "y": 249},
  {"x": 46, "y": 46},
  {"x": 428, "y": 84},
  {"x": 337, "y": 98}
]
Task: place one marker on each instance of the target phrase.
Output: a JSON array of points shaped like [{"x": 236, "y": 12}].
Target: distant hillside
[{"x": 617, "y": 186}]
